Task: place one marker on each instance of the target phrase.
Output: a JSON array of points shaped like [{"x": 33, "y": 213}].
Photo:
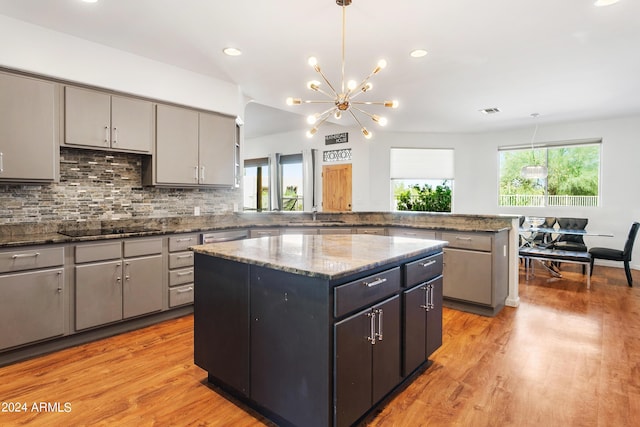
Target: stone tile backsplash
[{"x": 100, "y": 185}]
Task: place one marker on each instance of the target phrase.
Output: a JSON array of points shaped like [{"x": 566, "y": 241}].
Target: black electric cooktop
[{"x": 104, "y": 231}]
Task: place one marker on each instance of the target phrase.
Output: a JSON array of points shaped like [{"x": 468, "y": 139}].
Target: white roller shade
[{"x": 421, "y": 163}]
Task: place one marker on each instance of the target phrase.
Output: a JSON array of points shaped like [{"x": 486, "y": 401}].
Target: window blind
[{"x": 421, "y": 163}]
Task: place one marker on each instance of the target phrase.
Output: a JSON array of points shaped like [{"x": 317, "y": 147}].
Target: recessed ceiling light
[
  {"x": 601, "y": 3},
  {"x": 418, "y": 53},
  {"x": 232, "y": 51},
  {"x": 491, "y": 110}
]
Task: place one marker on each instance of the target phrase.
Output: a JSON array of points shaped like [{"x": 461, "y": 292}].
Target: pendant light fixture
[
  {"x": 341, "y": 99},
  {"x": 534, "y": 171}
]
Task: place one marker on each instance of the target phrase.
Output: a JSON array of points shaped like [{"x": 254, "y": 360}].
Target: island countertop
[{"x": 324, "y": 256}]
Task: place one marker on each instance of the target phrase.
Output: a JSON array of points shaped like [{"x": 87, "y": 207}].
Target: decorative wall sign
[
  {"x": 336, "y": 155},
  {"x": 337, "y": 138}
]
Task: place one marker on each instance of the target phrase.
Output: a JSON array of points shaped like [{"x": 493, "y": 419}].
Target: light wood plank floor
[{"x": 565, "y": 357}]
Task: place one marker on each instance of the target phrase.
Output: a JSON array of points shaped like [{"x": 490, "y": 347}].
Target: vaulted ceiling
[{"x": 564, "y": 59}]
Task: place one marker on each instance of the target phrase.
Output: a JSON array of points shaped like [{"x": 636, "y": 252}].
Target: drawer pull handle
[
  {"x": 185, "y": 239},
  {"x": 372, "y": 326},
  {"x": 184, "y": 291},
  {"x": 428, "y": 263},
  {"x": 467, "y": 239},
  {"x": 187, "y": 273},
  {"x": 190, "y": 255},
  {"x": 32, "y": 255},
  {"x": 376, "y": 282}
]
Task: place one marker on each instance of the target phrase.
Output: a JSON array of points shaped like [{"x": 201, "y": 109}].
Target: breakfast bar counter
[{"x": 317, "y": 330}]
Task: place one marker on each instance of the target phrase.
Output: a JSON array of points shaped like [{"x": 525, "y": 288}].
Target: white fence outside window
[{"x": 541, "y": 200}]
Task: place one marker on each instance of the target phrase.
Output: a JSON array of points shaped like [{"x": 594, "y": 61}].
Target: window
[
  {"x": 256, "y": 184},
  {"x": 291, "y": 182},
  {"x": 573, "y": 175},
  {"x": 421, "y": 179}
]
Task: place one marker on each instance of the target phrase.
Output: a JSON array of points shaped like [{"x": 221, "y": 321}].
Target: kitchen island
[{"x": 316, "y": 330}]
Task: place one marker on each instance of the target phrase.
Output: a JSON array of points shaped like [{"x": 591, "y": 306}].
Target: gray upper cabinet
[
  {"x": 28, "y": 129},
  {"x": 217, "y": 150},
  {"x": 98, "y": 119},
  {"x": 176, "y": 157},
  {"x": 193, "y": 148}
]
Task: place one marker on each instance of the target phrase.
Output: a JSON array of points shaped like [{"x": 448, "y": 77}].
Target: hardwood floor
[{"x": 565, "y": 357}]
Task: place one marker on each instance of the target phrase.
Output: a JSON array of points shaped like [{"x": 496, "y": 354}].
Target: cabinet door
[
  {"x": 98, "y": 294},
  {"x": 28, "y": 129},
  {"x": 176, "y": 154},
  {"x": 131, "y": 124},
  {"x": 217, "y": 150},
  {"x": 31, "y": 307},
  {"x": 467, "y": 275},
  {"x": 142, "y": 286},
  {"x": 434, "y": 316},
  {"x": 386, "y": 350},
  {"x": 353, "y": 366},
  {"x": 415, "y": 332},
  {"x": 87, "y": 117}
]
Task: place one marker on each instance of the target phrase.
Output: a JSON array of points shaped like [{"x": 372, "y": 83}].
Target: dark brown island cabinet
[{"x": 317, "y": 330}]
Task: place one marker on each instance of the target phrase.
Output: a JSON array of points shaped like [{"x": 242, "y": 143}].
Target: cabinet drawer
[
  {"x": 181, "y": 259},
  {"x": 423, "y": 269},
  {"x": 181, "y": 295},
  {"x": 181, "y": 243},
  {"x": 30, "y": 258},
  {"x": 133, "y": 248},
  {"x": 98, "y": 251},
  {"x": 180, "y": 277},
  {"x": 412, "y": 232},
  {"x": 473, "y": 241},
  {"x": 365, "y": 291}
]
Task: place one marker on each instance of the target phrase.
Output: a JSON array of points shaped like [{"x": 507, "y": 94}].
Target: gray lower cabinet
[
  {"x": 28, "y": 129},
  {"x": 476, "y": 271},
  {"x": 181, "y": 275},
  {"x": 31, "y": 306},
  {"x": 32, "y": 295},
  {"x": 126, "y": 282}
]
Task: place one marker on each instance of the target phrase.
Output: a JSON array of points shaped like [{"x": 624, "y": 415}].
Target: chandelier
[
  {"x": 341, "y": 100},
  {"x": 534, "y": 171}
]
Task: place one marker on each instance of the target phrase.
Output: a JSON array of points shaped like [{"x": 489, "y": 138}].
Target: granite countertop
[
  {"x": 15, "y": 235},
  {"x": 329, "y": 256}
]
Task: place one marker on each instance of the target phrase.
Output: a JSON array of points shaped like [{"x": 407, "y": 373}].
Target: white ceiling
[{"x": 564, "y": 59}]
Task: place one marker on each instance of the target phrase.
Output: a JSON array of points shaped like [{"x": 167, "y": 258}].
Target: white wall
[
  {"x": 31, "y": 48},
  {"x": 476, "y": 169}
]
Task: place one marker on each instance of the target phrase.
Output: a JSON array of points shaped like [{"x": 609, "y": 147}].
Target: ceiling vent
[{"x": 490, "y": 110}]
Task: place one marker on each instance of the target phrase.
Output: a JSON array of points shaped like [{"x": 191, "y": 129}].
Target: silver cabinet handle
[
  {"x": 189, "y": 255},
  {"x": 31, "y": 255},
  {"x": 106, "y": 134},
  {"x": 431, "y": 299},
  {"x": 468, "y": 239},
  {"x": 202, "y": 173},
  {"x": 428, "y": 263},
  {"x": 184, "y": 291},
  {"x": 1, "y": 162},
  {"x": 59, "y": 273},
  {"x": 115, "y": 135},
  {"x": 195, "y": 173},
  {"x": 186, "y": 273},
  {"x": 375, "y": 282},
  {"x": 426, "y": 298},
  {"x": 379, "y": 333},
  {"x": 372, "y": 327},
  {"x": 185, "y": 239}
]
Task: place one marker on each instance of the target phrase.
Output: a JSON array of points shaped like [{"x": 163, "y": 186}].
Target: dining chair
[
  {"x": 571, "y": 242},
  {"x": 544, "y": 239},
  {"x": 623, "y": 255}
]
